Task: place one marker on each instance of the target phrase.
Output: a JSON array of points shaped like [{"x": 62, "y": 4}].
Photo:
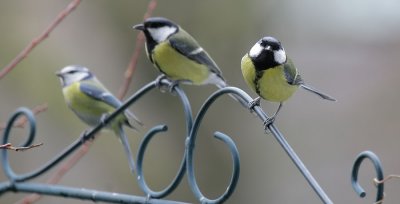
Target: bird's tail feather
[
  {"x": 127, "y": 148},
  {"x": 133, "y": 121},
  {"x": 322, "y": 95}
]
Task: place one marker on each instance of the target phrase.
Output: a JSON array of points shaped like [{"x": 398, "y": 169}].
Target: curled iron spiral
[
  {"x": 18, "y": 182},
  {"x": 379, "y": 174},
  {"x": 162, "y": 128}
]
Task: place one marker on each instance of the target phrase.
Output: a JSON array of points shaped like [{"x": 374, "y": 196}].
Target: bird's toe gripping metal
[
  {"x": 85, "y": 136},
  {"x": 164, "y": 84},
  {"x": 253, "y": 103},
  {"x": 103, "y": 118},
  {"x": 160, "y": 84},
  {"x": 172, "y": 86},
  {"x": 267, "y": 123}
]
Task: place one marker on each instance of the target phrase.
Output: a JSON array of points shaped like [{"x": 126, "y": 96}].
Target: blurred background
[{"x": 348, "y": 49}]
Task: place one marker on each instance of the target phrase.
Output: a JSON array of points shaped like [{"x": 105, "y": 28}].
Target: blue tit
[
  {"x": 91, "y": 102},
  {"x": 272, "y": 75}
]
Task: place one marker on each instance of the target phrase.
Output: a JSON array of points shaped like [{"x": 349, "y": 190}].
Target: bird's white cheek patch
[
  {"x": 255, "y": 50},
  {"x": 280, "y": 56},
  {"x": 71, "y": 78},
  {"x": 162, "y": 33}
]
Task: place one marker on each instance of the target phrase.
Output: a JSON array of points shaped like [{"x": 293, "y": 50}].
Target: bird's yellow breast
[
  {"x": 178, "y": 67},
  {"x": 88, "y": 109},
  {"x": 81, "y": 103},
  {"x": 272, "y": 86}
]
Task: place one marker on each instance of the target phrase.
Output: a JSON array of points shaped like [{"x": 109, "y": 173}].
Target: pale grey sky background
[{"x": 348, "y": 49}]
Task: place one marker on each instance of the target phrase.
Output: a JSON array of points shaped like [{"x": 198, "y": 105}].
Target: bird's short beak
[
  {"x": 58, "y": 74},
  {"x": 138, "y": 27}
]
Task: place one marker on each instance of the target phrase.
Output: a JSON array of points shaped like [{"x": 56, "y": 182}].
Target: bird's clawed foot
[
  {"x": 172, "y": 86},
  {"x": 103, "y": 119},
  {"x": 175, "y": 83},
  {"x": 253, "y": 103},
  {"x": 84, "y": 136},
  {"x": 169, "y": 85},
  {"x": 159, "y": 84},
  {"x": 267, "y": 123}
]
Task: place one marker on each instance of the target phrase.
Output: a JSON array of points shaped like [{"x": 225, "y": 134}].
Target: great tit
[
  {"x": 177, "y": 55},
  {"x": 272, "y": 75},
  {"x": 91, "y": 102}
]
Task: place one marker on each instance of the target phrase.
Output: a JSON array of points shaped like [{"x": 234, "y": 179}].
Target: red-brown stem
[
  {"x": 24, "y": 53},
  {"x": 136, "y": 53},
  {"x": 22, "y": 121}
]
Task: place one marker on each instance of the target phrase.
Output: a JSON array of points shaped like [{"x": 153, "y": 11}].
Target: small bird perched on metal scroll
[
  {"x": 177, "y": 55},
  {"x": 268, "y": 72},
  {"x": 91, "y": 102}
]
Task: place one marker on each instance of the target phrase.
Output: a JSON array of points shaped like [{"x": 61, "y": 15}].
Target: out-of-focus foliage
[{"x": 349, "y": 49}]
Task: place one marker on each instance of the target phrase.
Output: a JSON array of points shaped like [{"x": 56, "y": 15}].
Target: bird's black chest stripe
[
  {"x": 158, "y": 67},
  {"x": 150, "y": 54},
  {"x": 259, "y": 74},
  {"x": 150, "y": 45}
]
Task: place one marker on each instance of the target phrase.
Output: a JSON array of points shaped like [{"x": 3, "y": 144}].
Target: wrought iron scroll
[
  {"x": 190, "y": 145},
  {"x": 275, "y": 132},
  {"x": 162, "y": 128},
  {"x": 379, "y": 175},
  {"x": 17, "y": 182}
]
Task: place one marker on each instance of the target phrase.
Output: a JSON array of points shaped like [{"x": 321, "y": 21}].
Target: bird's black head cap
[
  {"x": 267, "y": 53},
  {"x": 158, "y": 22},
  {"x": 157, "y": 30}
]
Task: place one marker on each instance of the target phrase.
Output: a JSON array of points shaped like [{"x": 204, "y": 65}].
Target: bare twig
[
  {"x": 21, "y": 124},
  {"x": 10, "y": 147},
  {"x": 22, "y": 121},
  {"x": 376, "y": 181},
  {"x": 24, "y": 53},
  {"x": 136, "y": 53}
]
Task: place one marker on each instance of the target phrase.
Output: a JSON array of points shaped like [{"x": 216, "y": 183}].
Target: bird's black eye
[
  {"x": 263, "y": 43},
  {"x": 156, "y": 25},
  {"x": 273, "y": 43}
]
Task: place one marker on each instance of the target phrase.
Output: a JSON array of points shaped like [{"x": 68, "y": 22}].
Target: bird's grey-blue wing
[{"x": 100, "y": 94}]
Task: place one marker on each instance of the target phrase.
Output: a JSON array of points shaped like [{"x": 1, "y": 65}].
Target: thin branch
[
  {"x": 24, "y": 53},
  {"x": 376, "y": 181},
  {"x": 9, "y": 146},
  {"x": 136, "y": 53},
  {"x": 22, "y": 121}
]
